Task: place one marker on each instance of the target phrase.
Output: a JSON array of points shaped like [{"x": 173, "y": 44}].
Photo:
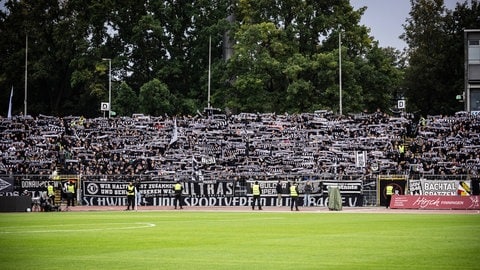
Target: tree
[
  {"x": 258, "y": 62},
  {"x": 379, "y": 74},
  {"x": 285, "y": 57},
  {"x": 64, "y": 38},
  {"x": 126, "y": 101},
  {"x": 435, "y": 38},
  {"x": 35, "y": 20},
  {"x": 156, "y": 99}
]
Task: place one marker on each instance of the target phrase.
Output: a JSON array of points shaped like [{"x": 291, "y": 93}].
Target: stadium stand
[{"x": 246, "y": 145}]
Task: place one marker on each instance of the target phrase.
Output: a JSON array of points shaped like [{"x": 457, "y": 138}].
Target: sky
[{"x": 385, "y": 19}]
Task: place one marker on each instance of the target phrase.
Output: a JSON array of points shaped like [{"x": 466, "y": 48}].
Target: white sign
[
  {"x": 401, "y": 104},
  {"x": 105, "y": 106}
]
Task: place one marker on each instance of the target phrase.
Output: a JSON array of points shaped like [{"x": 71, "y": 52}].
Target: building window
[{"x": 474, "y": 51}]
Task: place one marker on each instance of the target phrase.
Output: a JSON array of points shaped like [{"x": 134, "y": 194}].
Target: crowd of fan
[{"x": 219, "y": 146}]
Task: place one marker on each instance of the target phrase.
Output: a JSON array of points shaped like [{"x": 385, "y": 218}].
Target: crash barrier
[
  {"x": 15, "y": 203},
  {"x": 449, "y": 193},
  {"x": 111, "y": 191},
  {"x": 435, "y": 202},
  {"x": 33, "y": 189},
  {"x": 217, "y": 193}
]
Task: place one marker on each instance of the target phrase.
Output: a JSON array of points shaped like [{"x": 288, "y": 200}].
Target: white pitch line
[{"x": 138, "y": 226}]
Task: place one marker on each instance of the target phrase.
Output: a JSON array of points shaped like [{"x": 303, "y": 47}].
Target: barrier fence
[{"x": 99, "y": 190}]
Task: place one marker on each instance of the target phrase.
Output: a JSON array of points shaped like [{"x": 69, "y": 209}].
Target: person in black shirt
[
  {"x": 279, "y": 189},
  {"x": 306, "y": 196}
]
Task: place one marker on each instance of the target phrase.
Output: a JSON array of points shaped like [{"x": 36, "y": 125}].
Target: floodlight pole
[
  {"x": 340, "y": 69},
  {"x": 109, "y": 85},
  {"x": 209, "y": 68},
  {"x": 26, "y": 76}
]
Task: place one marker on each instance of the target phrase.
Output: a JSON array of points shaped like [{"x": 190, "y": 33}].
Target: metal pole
[
  {"x": 26, "y": 76},
  {"x": 136, "y": 199},
  {"x": 209, "y": 67},
  {"x": 109, "y": 85},
  {"x": 340, "y": 69}
]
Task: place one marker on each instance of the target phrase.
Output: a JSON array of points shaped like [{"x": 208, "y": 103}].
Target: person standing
[
  {"x": 279, "y": 189},
  {"x": 307, "y": 191},
  {"x": 178, "y": 189},
  {"x": 294, "y": 196},
  {"x": 389, "y": 193},
  {"x": 70, "y": 193},
  {"x": 51, "y": 193},
  {"x": 130, "y": 196},
  {"x": 256, "y": 191},
  {"x": 138, "y": 194}
]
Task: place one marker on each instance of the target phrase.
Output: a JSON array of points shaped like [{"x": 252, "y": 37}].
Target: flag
[
  {"x": 175, "y": 132},
  {"x": 196, "y": 171},
  {"x": 360, "y": 159},
  {"x": 9, "y": 115},
  {"x": 463, "y": 189}
]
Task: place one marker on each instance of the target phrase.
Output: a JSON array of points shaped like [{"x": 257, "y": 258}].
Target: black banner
[
  {"x": 214, "y": 193},
  {"x": 100, "y": 191}
]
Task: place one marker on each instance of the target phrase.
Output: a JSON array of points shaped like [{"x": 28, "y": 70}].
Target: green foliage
[
  {"x": 285, "y": 56},
  {"x": 155, "y": 98},
  {"x": 126, "y": 101},
  {"x": 436, "y": 59},
  {"x": 379, "y": 78},
  {"x": 280, "y": 52},
  {"x": 257, "y": 65}
]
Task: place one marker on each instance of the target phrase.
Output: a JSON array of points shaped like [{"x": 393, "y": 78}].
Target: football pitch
[{"x": 238, "y": 240}]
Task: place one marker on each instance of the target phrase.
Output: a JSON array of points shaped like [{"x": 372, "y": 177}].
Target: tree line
[{"x": 180, "y": 56}]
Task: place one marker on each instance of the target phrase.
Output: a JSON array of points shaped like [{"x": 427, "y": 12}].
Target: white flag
[
  {"x": 9, "y": 115},
  {"x": 175, "y": 132},
  {"x": 360, "y": 159}
]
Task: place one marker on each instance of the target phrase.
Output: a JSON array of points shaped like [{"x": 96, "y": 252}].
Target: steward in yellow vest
[
  {"x": 294, "y": 196},
  {"x": 51, "y": 193},
  {"x": 256, "y": 192},
  {"x": 70, "y": 193},
  {"x": 389, "y": 193},
  {"x": 130, "y": 196},
  {"x": 177, "y": 189}
]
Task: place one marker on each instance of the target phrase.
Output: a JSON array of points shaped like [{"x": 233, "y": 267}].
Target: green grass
[{"x": 238, "y": 240}]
